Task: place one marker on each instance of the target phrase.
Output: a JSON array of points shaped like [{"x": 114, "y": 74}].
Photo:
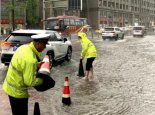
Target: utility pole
[
  {"x": 43, "y": 14},
  {"x": 13, "y": 15},
  {"x": 0, "y": 19},
  {"x": 81, "y": 5},
  {"x": 47, "y": 4}
]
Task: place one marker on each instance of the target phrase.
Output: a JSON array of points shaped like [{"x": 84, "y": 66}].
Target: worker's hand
[
  {"x": 39, "y": 64},
  {"x": 81, "y": 58},
  {"x": 86, "y": 26}
]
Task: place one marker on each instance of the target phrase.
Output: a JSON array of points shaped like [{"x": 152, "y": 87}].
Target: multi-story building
[
  {"x": 111, "y": 12},
  {"x": 126, "y": 12}
]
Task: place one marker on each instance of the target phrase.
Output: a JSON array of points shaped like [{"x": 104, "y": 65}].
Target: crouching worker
[
  {"x": 22, "y": 73},
  {"x": 89, "y": 52}
]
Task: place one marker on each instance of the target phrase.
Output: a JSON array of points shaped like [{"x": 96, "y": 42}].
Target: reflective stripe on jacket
[
  {"x": 22, "y": 72},
  {"x": 88, "y": 48}
]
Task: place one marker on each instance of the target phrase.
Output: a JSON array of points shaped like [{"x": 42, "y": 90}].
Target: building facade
[
  {"x": 111, "y": 12},
  {"x": 126, "y": 12}
]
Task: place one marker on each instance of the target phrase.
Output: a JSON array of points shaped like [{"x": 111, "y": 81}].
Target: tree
[{"x": 32, "y": 15}]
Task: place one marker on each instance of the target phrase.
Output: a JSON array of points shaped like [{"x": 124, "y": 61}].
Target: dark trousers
[
  {"x": 89, "y": 63},
  {"x": 19, "y": 106}
]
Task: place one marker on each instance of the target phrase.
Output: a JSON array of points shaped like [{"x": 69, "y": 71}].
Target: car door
[
  {"x": 54, "y": 45},
  {"x": 63, "y": 46},
  {"x": 119, "y": 32}
]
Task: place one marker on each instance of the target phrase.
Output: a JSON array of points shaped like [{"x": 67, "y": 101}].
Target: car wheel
[
  {"x": 69, "y": 54},
  {"x": 116, "y": 38},
  {"x": 103, "y": 38},
  {"x": 122, "y": 37}
]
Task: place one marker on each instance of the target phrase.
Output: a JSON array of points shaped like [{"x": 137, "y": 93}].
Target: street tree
[{"x": 32, "y": 15}]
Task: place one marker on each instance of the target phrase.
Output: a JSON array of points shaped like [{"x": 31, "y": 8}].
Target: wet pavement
[{"x": 123, "y": 82}]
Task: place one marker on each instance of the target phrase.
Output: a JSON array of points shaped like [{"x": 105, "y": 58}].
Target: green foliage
[
  {"x": 32, "y": 13},
  {"x": 19, "y": 9}
]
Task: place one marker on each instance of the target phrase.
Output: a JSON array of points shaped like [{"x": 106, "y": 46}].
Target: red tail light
[{"x": 5, "y": 44}]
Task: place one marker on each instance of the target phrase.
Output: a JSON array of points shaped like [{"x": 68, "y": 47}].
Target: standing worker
[
  {"x": 89, "y": 52},
  {"x": 22, "y": 73}
]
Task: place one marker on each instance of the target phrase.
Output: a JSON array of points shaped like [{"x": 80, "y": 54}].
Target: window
[
  {"x": 21, "y": 38},
  {"x": 77, "y": 22},
  {"x": 58, "y": 36},
  {"x": 51, "y": 23},
  {"x": 105, "y": 3},
  {"x": 83, "y": 21},
  {"x": 100, "y": 3},
  {"x": 66, "y": 22},
  {"x": 72, "y": 22},
  {"x": 120, "y": 6},
  {"x": 109, "y": 29},
  {"x": 123, "y": 6},
  {"x": 117, "y": 5},
  {"x": 53, "y": 37},
  {"x": 117, "y": 29},
  {"x": 127, "y": 7}
]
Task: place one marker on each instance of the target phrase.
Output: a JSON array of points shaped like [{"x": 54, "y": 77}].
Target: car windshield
[
  {"x": 109, "y": 29},
  {"x": 137, "y": 28},
  {"x": 22, "y": 38},
  {"x": 50, "y": 24}
]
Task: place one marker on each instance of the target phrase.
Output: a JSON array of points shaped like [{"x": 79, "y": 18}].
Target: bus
[{"x": 65, "y": 25}]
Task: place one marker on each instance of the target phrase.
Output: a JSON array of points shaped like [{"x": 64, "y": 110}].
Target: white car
[
  {"x": 112, "y": 33},
  {"x": 138, "y": 31},
  {"x": 58, "y": 48}
]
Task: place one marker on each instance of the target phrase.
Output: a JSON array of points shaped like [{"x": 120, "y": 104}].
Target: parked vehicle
[
  {"x": 58, "y": 48},
  {"x": 112, "y": 33},
  {"x": 139, "y": 31}
]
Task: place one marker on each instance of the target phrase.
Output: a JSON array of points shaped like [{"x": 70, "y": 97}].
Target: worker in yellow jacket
[
  {"x": 89, "y": 52},
  {"x": 22, "y": 73}
]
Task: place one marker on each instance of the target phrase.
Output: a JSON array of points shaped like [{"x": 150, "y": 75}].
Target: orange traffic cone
[
  {"x": 45, "y": 67},
  {"x": 65, "y": 97},
  {"x": 44, "y": 73},
  {"x": 36, "y": 109}
]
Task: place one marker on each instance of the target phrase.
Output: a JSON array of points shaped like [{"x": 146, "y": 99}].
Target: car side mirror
[
  {"x": 47, "y": 43},
  {"x": 65, "y": 39}
]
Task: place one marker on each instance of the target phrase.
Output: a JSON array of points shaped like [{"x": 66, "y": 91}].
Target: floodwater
[{"x": 123, "y": 83}]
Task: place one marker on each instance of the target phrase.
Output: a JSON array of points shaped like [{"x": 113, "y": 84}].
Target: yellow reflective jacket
[
  {"x": 88, "y": 48},
  {"x": 22, "y": 72}
]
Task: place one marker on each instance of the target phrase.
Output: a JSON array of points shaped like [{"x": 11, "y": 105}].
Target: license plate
[
  {"x": 107, "y": 34},
  {"x": 15, "y": 48}
]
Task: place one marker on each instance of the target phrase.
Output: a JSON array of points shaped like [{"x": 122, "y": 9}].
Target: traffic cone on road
[
  {"x": 36, "y": 109},
  {"x": 66, "y": 93},
  {"x": 44, "y": 73}
]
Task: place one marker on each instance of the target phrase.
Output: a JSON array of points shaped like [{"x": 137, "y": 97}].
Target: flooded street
[{"x": 123, "y": 84}]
